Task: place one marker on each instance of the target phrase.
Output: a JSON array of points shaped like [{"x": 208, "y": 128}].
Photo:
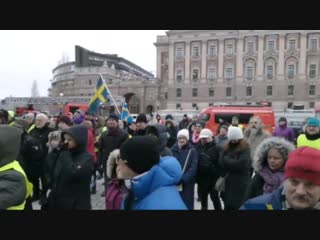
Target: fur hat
[
  {"x": 183, "y": 133},
  {"x": 304, "y": 162},
  {"x": 235, "y": 133},
  {"x": 141, "y": 153}
]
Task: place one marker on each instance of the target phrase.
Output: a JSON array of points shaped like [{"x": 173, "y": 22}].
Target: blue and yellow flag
[
  {"x": 125, "y": 112},
  {"x": 100, "y": 97}
]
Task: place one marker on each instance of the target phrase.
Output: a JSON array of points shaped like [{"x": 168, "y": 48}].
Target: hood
[
  {"x": 111, "y": 163},
  {"x": 170, "y": 121},
  {"x": 10, "y": 144},
  {"x": 163, "y": 134},
  {"x": 260, "y": 156},
  {"x": 167, "y": 173},
  {"x": 80, "y": 135}
]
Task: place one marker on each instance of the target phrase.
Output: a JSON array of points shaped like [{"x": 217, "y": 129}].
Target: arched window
[
  {"x": 291, "y": 67},
  {"x": 250, "y": 69}
]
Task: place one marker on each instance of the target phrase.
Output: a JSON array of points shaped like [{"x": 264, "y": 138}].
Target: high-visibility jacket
[
  {"x": 239, "y": 126},
  {"x": 30, "y": 128},
  {"x": 304, "y": 141},
  {"x": 16, "y": 166}
]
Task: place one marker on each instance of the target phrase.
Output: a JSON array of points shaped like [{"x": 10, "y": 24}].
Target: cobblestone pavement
[{"x": 98, "y": 202}]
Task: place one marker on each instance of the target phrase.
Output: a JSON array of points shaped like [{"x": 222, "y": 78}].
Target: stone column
[
  {"x": 171, "y": 63},
  {"x": 303, "y": 61},
  {"x": 187, "y": 63},
  {"x": 220, "y": 61},
  {"x": 204, "y": 62},
  {"x": 239, "y": 64},
  {"x": 260, "y": 59},
  {"x": 281, "y": 58}
]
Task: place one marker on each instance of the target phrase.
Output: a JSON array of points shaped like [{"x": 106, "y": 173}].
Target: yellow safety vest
[
  {"x": 304, "y": 141},
  {"x": 32, "y": 127},
  {"x": 11, "y": 124},
  {"x": 16, "y": 166},
  {"x": 239, "y": 126},
  {"x": 104, "y": 129}
]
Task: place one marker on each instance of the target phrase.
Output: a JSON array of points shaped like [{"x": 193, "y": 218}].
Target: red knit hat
[{"x": 304, "y": 162}]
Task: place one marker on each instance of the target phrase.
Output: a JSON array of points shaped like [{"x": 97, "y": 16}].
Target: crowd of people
[{"x": 155, "y": 163}]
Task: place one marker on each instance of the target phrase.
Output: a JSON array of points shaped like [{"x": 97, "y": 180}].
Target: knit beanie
[
  {"x": 141, "y": 153},
  {"x": 141, "y": 118},
  {"x": 304, "y": 162},
  {"x": 235, "y": 133},
  {"x": 65, "y": 119},
  {"x": 183, "y": 133},
  {"x": 313, "y": 122},
  {"x": 114, "y": 117}
]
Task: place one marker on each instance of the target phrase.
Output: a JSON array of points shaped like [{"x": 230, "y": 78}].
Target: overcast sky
[{"x": 31, "y": 55}]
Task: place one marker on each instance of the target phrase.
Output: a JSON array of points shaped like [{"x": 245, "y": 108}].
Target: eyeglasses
[{"x": 253, "y": 122}]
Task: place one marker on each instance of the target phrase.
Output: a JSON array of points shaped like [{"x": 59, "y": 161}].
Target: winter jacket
[
  {"x": 156, "y": 189},
  {"x": 13, "y": 188},
  {"x": 173, "y": 131},
  {"x": 236, "y": 163},
  {"x": 90, "y": 145},
  {"x": 163, "y": 137},
  {"x": 271, "y": 201},
  {"x": 255, "y": 139},
  {"x": 184, "y": 124},
  {"x": 72, "y": 174},
  {"x": 309, "y": 140},
  {"x": 221, "y": 140},
  {"x": 285, "y": 132},
  {"x": 208, "y": 164},
  {"x": 189, "y": 176},
  {"x": 110, "y": 140},
  {"x": 260, "y": 161}
]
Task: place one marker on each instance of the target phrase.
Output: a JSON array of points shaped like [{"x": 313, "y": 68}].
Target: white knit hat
[
  {"x": 235, "y": 133},
  {"x": 205, "y": 133},
  {"x": 183, "y": 133}
]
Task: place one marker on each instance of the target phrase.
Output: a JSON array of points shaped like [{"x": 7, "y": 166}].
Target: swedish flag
[
  {"x": 100, "y": 96},
  {"x": 125, "y": 112}
]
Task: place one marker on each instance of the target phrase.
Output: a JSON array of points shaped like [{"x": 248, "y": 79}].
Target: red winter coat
[{"x": 90, "y": 146}]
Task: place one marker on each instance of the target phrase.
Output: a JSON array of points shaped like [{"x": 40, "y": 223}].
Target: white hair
[{"x": 42, "y": 116}]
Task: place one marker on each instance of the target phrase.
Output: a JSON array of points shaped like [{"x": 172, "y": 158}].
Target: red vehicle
[
  {"x": 72, "y": 107},
  {"x": 20, "y": 111},
  {"x": 211, "y": 115}
]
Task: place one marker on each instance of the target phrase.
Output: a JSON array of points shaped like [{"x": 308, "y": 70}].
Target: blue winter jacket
[
  {"x": 271, "y": 201},
  {"x": 157, "y": 190}
]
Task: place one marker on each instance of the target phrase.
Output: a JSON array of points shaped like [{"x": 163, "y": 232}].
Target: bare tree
[{"x": 34, "y": 89}]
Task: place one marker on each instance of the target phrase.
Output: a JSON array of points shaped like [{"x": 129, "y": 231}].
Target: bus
[{"x": 211, "y": 116}]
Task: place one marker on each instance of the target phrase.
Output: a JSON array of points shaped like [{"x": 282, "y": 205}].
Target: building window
[
  {"x": 313, "y": 43},
  {"x": 311, "y": 104},
  {"x": 292, "y": 44},
  {"x": 269, "y": 72},
  {"x": 228, "y": 92},
  {"x": 178, "y": 106},
  {"x": 179, "y": 52},
  {"x": 195, "y": 75},
  {"x": 194, "y": 105},
  {"x": 312, "y": 70},
  {"x": 195, "y": 51},
  {"x": 194, "y": 92},
  {"x": 249, "y": 91},
  {"x": 291, "y": 71},
  {"x": 229, "y": 49},
  {"x": 178, "y": 92},
  {"x": 312, "y": 90},
  {"x": 290, "y": 104},
  {"x": 249, "y": 72},
  {"x": 166, "y": 95},
  {"x": 90, "y": 82},
  {"x": 229, "y": 74},
  {"x": 270, "y": 46},
  {"x": 212, "y": 51},
  {"x": 269, "y": 90},
  {"x": 179, "y": 75},
  {"x": 250, "y": 47},
  {"x": 290, "y": 90},
  {"x": 211, "y": 92},
  {"x": 212, "y": 74},
  {"x": 210, "y": 104}
]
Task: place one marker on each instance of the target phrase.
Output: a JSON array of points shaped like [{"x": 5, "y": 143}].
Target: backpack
[{"x": 115, "y": 195}]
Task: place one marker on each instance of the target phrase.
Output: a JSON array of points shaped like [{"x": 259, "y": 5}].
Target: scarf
[
  {"x": 272, "y": 180},
  {"x": 195, "y": 137}
]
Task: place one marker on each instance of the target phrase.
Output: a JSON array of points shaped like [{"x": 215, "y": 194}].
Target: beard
[{"x": 253, "y": 130}]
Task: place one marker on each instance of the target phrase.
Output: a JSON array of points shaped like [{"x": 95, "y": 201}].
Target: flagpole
[{"x": 110, "y": 94}]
